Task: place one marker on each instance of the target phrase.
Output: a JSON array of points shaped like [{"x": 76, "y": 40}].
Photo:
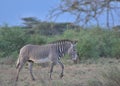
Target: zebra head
[{"x": 72, "y": 52}]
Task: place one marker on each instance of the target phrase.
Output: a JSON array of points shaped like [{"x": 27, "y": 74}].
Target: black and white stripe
[{"x": 60, "y": 49}]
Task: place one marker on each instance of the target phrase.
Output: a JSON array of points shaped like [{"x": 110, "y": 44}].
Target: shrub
[
  {"x": 92, "y": 43},
  {"x": 115, "y": 49},
  {"x": 36, "y": 39},
  {"x": 98, "y": 42},
  {"x": 11, "y": 40}
]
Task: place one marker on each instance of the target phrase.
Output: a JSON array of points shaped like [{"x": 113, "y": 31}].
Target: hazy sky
[{"x": 11, "y": 11}]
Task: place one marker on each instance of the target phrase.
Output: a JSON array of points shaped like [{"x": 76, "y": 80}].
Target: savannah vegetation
[
  {"x": 98, "y": 47},
  {"x": 93, "y": 42}
]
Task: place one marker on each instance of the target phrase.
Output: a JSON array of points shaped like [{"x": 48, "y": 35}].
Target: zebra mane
[{"x": 62, "y": 41}]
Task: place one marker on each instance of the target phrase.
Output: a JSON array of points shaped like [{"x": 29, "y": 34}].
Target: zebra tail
[{"x": 18, "y": 63}]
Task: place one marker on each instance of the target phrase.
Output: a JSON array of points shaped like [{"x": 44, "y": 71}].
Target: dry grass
[
  {"x": 109, "y": 77},
  {"x": 74, "y": 75}
]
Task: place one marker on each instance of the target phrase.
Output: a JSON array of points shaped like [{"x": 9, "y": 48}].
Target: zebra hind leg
[
  {"x": 21, "y": 63},
  {"x": 18, "y": 70},
  {"x": 51, "y": 69}
]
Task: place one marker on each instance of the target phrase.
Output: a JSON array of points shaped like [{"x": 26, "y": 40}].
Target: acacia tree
[
  {"x": 87, "y": 10},
  {"x": 30, "y": 22}
]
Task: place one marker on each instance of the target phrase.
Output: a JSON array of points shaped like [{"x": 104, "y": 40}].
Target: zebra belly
[{"x": 43, "y": 60}]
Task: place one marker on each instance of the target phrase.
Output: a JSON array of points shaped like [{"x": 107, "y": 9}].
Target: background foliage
[{"x": 93, "y": 42}]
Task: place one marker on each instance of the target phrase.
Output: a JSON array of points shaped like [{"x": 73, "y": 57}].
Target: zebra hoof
[
  {"x": 61, "y": 75},
  {"x": 50, "y": 79},
  {"x": 33, "y": 79}
]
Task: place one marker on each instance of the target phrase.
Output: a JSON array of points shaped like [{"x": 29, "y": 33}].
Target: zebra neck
[{"x": 61, "y": 51}]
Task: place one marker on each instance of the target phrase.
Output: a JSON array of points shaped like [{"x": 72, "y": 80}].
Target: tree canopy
[{"x": 87, "y": 10}]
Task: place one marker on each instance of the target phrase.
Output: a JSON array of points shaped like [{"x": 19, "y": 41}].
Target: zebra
[{"x": 52, "y": 52}]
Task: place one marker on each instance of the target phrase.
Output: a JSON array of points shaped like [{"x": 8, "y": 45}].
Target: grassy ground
[{"x": 74, "y": 74}]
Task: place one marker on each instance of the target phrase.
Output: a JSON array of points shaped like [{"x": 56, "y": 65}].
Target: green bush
[
  {"x": 36, "y": 39},
  {"x": 11, "y": 40},
  {"x": 92, "y": 43},
  {"x": 115, "y": 49}
]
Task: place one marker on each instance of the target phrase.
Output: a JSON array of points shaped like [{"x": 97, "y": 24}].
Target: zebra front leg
[
  {"x": 62, "y": 66},
  {"x": 51, "y": 70},
  {"x": 30, "y": 69}
]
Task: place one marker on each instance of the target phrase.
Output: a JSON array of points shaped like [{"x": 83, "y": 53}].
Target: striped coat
[{"x": 46, "y": 53}]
